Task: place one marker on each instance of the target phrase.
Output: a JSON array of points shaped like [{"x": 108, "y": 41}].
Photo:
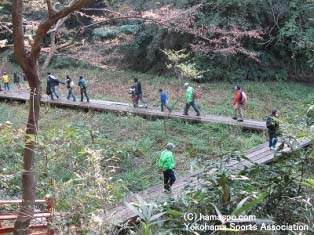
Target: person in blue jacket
[{"x": 164, "y": 100}]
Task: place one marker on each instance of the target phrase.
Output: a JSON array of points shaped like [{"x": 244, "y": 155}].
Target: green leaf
[{"x": 243, "y": 208}]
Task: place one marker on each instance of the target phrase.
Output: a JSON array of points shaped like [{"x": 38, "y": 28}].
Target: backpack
[
  {"x": 243, "y": 98},
  {"x": 83, "y": 83},
  {"x": 270, "y": 123},
  {"x": 195, "y": 95}
]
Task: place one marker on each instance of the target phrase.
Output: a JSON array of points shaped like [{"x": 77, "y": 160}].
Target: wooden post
[
  {"x": 49, "y": 202},
  {"x": 1, "y": 227}
]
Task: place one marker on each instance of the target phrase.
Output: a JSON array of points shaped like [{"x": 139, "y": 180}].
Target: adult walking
[
  {"x": 52, "y": 83},
  {"x": 166, "y": 164},
  {"x": 138, "y": 92},
  {"x": 237, "y": 104},
  {"x": 16, "y": 80},
  {"x": 164, "y": 100},
  {"x": 70, "y": 86},
  {"x": 189, "y": 100},
  {"x": 272, "y": 124},
  {"x": 83, "y": 87},
  {"x": 5, "y": 80}
]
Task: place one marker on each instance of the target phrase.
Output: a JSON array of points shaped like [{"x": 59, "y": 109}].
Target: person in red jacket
[{"x": 238, "y": 107}]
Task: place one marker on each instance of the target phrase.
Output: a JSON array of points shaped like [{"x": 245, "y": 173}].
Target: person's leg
[
  {"x": 240, "y": 112},
  {"x": 169, "y": 109},
  {"x": 274, "y": 142},
  {"x": 72, "y": 94},
  {"x": 166, "y": 179},
  {"x": 53, "y": 92},
  {"x": 270, "y": 139},
  {"x": 136, "y": 100},
  {"x": 82, "y": 95},
  {"x": 85, "y": 93},
  {"x": 172, "y": 177},
  {"x": 235, "y": 116},
  {"x": 69, "y": 93},
  {"x": 195, "y": 108},
  {"x": 56, "y": 92},
  {"x": 186, "y": 109},
  {"x": 19, "y": 86},
  {"x": 162, "y": 106}
]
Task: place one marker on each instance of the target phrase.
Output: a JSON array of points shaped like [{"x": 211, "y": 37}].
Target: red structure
[{"x": 41, "y": 228}]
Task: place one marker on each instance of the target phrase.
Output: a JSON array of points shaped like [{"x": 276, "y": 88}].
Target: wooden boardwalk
[
  {"x": 118, "y": 107},
  {"x": 258, "y": 155}
]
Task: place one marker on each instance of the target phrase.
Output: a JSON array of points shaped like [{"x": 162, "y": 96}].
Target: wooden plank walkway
[
  {"x": 258, "y": 155},
  {"x": 118, "y": 107}
]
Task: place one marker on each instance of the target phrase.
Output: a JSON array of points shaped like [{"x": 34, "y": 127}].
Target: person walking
[
  {"x": 52, "y": 82},
  {"x": 237, "y": 104},
  {"x": 83, "y": 87},
  {"x": 25, "y": 81},
  {"x": 70, "y": 86},
  {"x": 16, "y": 80},
  {"x": 164, "y": 100},
  {"x": 5, "y": 80},
  {"x": 272, "y": 124},
  {"x": 167, "y": 165},
  {"x": 189, "y": 100},
  {"x": 139, "y": 93}
]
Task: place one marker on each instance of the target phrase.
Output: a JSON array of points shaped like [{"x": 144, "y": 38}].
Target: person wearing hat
[
  {"x": 189, "y": 100},
  {"x": 272, "y": 124},
  {"x": 6, "y": 80},
  {"x": 166, "y": 164}
]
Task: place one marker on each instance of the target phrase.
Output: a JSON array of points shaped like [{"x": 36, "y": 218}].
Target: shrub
[{"x": 105, "y": 33}]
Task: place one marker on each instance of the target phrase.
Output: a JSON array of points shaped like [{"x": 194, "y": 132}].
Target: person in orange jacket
[{"x": 237, "y": 105}]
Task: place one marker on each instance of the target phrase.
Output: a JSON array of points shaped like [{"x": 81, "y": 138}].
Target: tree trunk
[
  {"x": 29, "y": 64},
  {"x": 28, "y": 179}
]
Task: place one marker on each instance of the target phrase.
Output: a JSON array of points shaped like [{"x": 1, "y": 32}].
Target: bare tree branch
[
  {"x": 102, "y": 9},
  {"x": 45, "y": 26},
  {"x": 51, "y": 10}
]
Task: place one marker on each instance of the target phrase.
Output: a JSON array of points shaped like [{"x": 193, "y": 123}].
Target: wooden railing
[{"x": 42, "y": 227}]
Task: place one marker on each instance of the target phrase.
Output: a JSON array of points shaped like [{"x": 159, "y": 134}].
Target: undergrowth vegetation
[
  {"x": 92, "y": 160},
  {"x": 89, "y": 161}
]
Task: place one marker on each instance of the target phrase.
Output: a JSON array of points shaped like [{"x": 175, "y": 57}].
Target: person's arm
[
  {"x": 160, "y": 163},
  {"x": 171, "y": 161},
  {"x": 136, "y": 89}
]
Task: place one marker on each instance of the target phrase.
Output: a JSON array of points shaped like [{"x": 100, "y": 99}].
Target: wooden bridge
[
  {"x": 258, "y": 155},
  {"x": 118, "y": 107},
  {"x": 121, "y": 213}
]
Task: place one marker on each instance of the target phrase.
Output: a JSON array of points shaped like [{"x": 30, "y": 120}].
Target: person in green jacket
[
  {"x": 166, "y": 164},
  {"x": 189, "y": 100}
]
